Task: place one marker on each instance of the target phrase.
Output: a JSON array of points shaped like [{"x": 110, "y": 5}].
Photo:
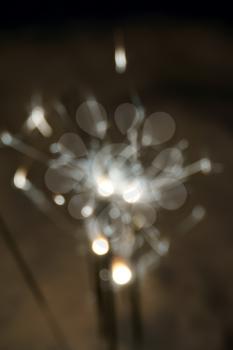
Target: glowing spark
[
  {"x": 37, "y": 120},
  {"x": 6, "y": 138},
  {"x": 87, "y": 211},
  {"x": 132, "y": 188},
  {"x": 205, "y": 164},
  {"x": 133, "y": 192},
  {"x": 20, "y": 179},
  {"x": 120, "y": 59},
  {"x": 105, "y": 187},
  {"x": 59, "y": 199},
  {"x": 121, "y": 272},
  {"x": 100, "y": 245}
]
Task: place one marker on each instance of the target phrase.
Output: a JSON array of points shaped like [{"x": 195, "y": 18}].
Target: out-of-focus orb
[
  {"x": 92, "y": 118},
  {"x": 205, "y": 165},
  {"x": 87, "y": 211},
  {"x": 100, "y": 246},
  {"x": 59, "y": 199},
  {"x": 121, "y": 272},
  {"x": 198, "y": 212},
  {"x": 6, "y": 138},
  {"x": 105, "y": 186},
  {"x": 163, "y": 246},
  {"x": 120, "y": 59},
  {"x": 133, "y": 192},
  {"x": 20, "y": 179},
  {"x": 158, "y": 128}
]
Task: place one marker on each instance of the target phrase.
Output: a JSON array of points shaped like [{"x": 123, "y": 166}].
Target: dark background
[{"x": 19, "y": 15}]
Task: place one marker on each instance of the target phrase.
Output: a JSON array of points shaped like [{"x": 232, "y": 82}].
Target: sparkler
[
  {"x": 108, "y": 185},
  {"x": 113, "y": 187}
]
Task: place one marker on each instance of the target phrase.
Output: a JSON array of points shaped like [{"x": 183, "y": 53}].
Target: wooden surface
[{"x": 184, "y": 69}]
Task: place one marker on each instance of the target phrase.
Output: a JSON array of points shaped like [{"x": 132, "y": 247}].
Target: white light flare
[
  {"x": 100, "y": 245},
  {"x": 112, "y": 186},
  {"x": 133, "y": 192},
  {"x": 121, "y": 272},
  {"x": 120, "y": 59},
  {"x": 6, "y": 138},
  {"x": 59, "y": 199},
  {"x": 87, "y": 211},
  {"x": 105, "y": 186},
  {"x": 205, "y": 165},
  {"x": 20, "y": 179},
  {"x": 37, "y": 120}
]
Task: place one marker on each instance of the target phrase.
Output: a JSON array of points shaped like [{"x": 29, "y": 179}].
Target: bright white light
[
  {"x": 205, "y": 164},
  {"x": 105, "y": 187},
  {"x": 86, "y": 211},
  {"x": 37, "y": 115},
  {"x": 100, "y": 245},
  {"x": 59, "y": 199},
  {"x": 6, "y": 138},
  {"x": 133, "y": 192},
  {"x": 37, "y": 120},
  {"x": 121, "y": 272},
  {"x": 20, "y": 179},
  {"x": 120, "y": 59}
]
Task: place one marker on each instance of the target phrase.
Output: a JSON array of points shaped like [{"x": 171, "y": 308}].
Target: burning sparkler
[
  {"x": 116, "y": 189},
  {"x": 109, "y": 187}
]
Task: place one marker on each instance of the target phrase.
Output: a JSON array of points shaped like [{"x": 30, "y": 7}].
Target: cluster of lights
[
  {"x": 111, "y": 179},
  {"x": 108, "y": 185}
]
